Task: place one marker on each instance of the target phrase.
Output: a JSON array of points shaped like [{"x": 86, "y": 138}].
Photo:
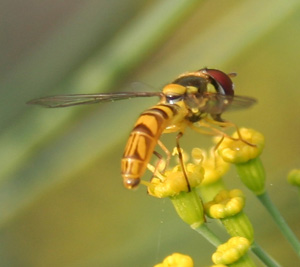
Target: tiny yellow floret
[
  {"x": 225, "y": 204},
  {"x": 242, "y": 150},
  {"x": 228, "y": 207},
  {"x": 174, "y": 181},
  {"x": 181, "y": 189},
  {"x": 176, "y": 260},
  {"x": 231, "y": 251},
  {"x": 215, "y": 167}
]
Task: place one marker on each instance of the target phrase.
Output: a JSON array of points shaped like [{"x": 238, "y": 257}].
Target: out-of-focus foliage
[{"x": 62, "y": 202}]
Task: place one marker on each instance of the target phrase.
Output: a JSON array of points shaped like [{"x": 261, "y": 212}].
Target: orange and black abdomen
[{"x": 142, "y": 141}]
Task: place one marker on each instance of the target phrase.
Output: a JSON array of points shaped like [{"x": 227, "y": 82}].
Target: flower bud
[
  {"x": 173, "y": 182},
  {"x": 242, "y": 150},
  {"x": 294, "y": 177},
  {"x": 176, "y": 260},
  {"x": 233, "y": 251},
  {"x": 228, "y": 207}
]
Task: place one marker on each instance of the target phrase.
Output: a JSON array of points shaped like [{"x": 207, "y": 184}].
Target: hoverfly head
[
  {"x": 192, "y": 80},
  {"x": 221, "y": 81}
]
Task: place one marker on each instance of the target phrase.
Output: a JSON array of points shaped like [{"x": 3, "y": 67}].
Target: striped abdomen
[{"x": 142, "y": 141}]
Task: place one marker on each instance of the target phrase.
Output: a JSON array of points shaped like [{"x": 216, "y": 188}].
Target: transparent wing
[
  {"x": 241, "y": 102},
  {"x": 218, "y": 103},
  {"x": 59, "y": 101}
]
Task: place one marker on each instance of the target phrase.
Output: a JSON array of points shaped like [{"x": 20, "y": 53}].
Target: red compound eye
[{"x": 221, "y": 81}]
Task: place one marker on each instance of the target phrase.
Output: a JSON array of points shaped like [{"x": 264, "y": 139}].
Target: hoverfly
[{"x": 187, "y": 100}]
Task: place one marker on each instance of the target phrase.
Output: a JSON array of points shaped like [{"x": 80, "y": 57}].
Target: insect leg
[
  {"x": 225, "y": 124},
  {"x": 155, "y": 169},
  {"x": 180, "y": 156},
  {"x": 216, "y": 148},
  {"x": 168, "y": 153},
  {"x": 159, "y": 162}
]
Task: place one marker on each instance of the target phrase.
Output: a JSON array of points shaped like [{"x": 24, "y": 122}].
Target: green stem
[
  {"x": 263, "y": 256},
  {"x": 245, "y": 261},
  {"x": 285, "y": 229},
  {"x": 207, "y": 234}
]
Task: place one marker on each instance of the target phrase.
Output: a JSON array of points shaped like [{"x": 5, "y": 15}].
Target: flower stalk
[
  {"x": 252, "y": 174},
  {"x": 189, "y": 207},
  {"x": 280, "y": 222}
]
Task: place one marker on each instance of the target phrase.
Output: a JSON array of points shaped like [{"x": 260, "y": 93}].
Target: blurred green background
[{"x": 62, "y": 202}]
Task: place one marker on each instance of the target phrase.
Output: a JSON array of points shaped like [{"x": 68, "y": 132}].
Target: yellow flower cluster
[
  {"x": 176, "y": 260},
  {"x": 225, "y": 204},
  {"x": 231, "y": 251},
  {"x": 228, "y": 207},
  {"x": 242, "y": 150},
  {"x": 173, "y": 181}
]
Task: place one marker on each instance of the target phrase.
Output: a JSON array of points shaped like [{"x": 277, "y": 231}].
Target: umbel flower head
[
  {"x": 214, "y": 170},
  {"x": 233, "y": 251},
  {"x": 228, "y": 207},
  {"x": 238, "y": 150},
  {"x": 226, "y": 204},
  {"x": 243, "y": 150},
  {"x": 215, "y": 167},
  {"x": 173, "y": 184},
  {"x": 173, "y": 181}
]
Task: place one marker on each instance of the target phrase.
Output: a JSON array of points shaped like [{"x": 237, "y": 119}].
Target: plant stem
[
  {"x": 207, "y": 234},
  {"x": 263, "y": 256},
  {"x": 281, "y": 223}
]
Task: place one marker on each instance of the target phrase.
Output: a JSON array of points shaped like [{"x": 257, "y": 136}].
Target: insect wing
[
  {"x": 218, "y": 103},
  {"x": 81, "y": 99},
  {"x": 241, "y": 102}
]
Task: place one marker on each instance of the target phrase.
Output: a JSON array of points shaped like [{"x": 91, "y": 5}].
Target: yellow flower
[
  {"x": 294, "y": 177},
  {"x": 173, "y": 182},
  {"x": 176, "y": 260},
  {"x": 232, "y": 251},
  {"x": 215, "y": 167},
  {"x": 228, "y": 207},
  {"x": 226, "y": 204},
  {"x": 242, "y": 150}
]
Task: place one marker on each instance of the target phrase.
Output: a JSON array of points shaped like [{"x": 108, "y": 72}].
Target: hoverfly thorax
[{"x": 209, "y": 91}]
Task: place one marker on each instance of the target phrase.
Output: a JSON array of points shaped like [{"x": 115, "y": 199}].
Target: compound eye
[
  {"x": 173, "y": 98},
  {"x": 221, "y": 81},
  {"x": 174, "y": 92}
]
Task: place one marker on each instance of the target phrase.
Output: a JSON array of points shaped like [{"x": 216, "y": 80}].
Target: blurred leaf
[{"x": 42, "y": 148}]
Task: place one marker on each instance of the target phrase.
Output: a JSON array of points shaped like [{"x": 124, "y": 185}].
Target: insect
[{"x": 185, "y": 102}]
